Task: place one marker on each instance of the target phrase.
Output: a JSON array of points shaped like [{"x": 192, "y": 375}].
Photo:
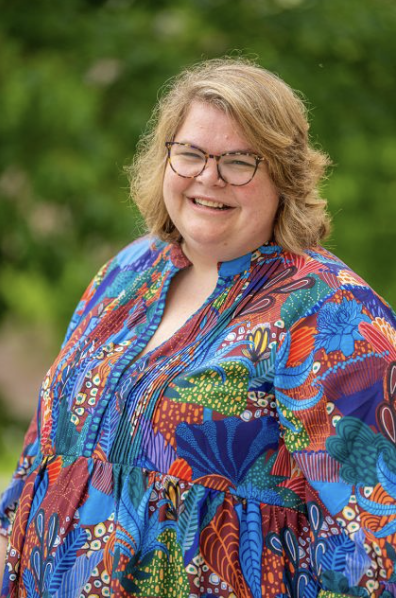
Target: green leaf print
[
  {"x": 168, "y": 577},
  {"x": 222, "y": 389},
  {"x": 300, "y": 301}
]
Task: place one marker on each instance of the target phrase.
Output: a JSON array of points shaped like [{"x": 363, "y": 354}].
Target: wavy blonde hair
[{"x": 272, "y": 118}]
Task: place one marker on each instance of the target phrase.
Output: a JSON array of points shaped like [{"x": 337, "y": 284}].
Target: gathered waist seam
[{"x": 46, "y": 459}]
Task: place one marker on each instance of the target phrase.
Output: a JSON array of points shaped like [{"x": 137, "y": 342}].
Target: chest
[
  {"x": 186, "y": 296},
  {"x": 209, "y": 370}
]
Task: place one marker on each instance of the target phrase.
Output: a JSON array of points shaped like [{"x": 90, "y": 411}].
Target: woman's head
[{"x": 271, "y": 117}]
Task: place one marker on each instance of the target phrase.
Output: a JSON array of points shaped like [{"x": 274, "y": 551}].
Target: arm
[
  {"x": 10, "y": 497},
  {"x": 337, "y": 407},
  {"x": 100, "y": 290},
  {"x": 3, "y": 550},
  {"x": 31, "y": 447}
]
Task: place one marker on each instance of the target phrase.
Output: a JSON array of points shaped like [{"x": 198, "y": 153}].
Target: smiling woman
[
  {"x": 221, "y": 418},
  {"x": 271, "y": 122}
]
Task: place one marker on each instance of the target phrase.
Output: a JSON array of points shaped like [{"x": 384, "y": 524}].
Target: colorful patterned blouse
[{"x": 250, "y": 455}]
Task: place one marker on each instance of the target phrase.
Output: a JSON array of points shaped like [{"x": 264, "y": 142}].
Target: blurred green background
[{"x": 78, "y": 81}]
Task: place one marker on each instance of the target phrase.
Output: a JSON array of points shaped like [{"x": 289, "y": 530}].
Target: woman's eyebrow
[{"x": 248, "y": 150}]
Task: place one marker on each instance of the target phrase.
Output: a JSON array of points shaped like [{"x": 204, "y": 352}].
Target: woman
[{"x": 221, "y": 418}]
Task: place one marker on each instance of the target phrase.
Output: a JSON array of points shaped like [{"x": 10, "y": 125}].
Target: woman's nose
[{"x": 211, "y": 175}]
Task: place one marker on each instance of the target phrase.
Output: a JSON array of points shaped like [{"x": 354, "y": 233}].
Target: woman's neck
[{"x": 202, "y": 264}]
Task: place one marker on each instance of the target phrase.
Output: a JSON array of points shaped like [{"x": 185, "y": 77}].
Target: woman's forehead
[{"x": 207, "y": 125}]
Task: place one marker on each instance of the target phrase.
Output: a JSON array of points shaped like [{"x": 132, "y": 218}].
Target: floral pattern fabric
[{"x": 252, "y": 454}]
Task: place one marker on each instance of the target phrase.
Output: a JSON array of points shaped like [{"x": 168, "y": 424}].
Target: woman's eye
[
  {"x": 238, "y": 163},
  {"x": 190, "y": 156}
]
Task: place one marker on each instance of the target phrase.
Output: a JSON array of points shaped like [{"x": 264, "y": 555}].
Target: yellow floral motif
[{"x": 258, "y": 343}]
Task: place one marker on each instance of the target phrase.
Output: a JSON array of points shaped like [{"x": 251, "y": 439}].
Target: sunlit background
[{"x": 78, "y": 81}]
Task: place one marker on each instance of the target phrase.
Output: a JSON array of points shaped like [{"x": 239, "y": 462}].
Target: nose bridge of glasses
[
  {"x": 209, "y": 170},
  {"x": 216, "y": 157}
]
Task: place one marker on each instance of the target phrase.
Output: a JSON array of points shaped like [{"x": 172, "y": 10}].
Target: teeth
[{"x": 209, "y": 204}]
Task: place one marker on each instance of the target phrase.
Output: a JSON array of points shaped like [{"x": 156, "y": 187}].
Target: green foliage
[{"x": 78, "y": 83}]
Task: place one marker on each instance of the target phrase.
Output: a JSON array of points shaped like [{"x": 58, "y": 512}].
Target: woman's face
[{"x": 237, "y": 219}]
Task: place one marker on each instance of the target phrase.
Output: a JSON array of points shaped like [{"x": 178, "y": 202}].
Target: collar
[{"x": 239, "y": 265}]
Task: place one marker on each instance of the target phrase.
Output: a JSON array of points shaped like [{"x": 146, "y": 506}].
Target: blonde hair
[{"x": 273, "y": 119}]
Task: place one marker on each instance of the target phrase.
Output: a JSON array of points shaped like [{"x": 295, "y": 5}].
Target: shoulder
[
  {"x": 325, "y": 279},
  {"x": 138, "y": 254},
  {"x": 130, "y": 262},
  {"x": 321, "y": 262},
  {"x": 324, "y": 265},
  {"x": 331, "y": 313},
  {"x": 115, "y": 275}
]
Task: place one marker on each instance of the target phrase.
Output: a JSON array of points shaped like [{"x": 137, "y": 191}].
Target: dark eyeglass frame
[{"x": 217, "y": 157}]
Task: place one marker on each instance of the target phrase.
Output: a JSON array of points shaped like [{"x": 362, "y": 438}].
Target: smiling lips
[{"x": 216, "y": 205}]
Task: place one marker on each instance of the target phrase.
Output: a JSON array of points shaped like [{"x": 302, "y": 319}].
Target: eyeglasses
[{"x": 235, "y": 168}]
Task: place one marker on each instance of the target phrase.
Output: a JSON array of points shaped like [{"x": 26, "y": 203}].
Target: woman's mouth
[{"x": 208, "y": 203}]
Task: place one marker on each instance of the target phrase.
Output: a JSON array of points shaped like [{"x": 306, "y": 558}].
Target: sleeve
[
  {"x": 102, "y": 290},
  {"x": 10, "y": 497},
  {"x": 335, "y": 388}
]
